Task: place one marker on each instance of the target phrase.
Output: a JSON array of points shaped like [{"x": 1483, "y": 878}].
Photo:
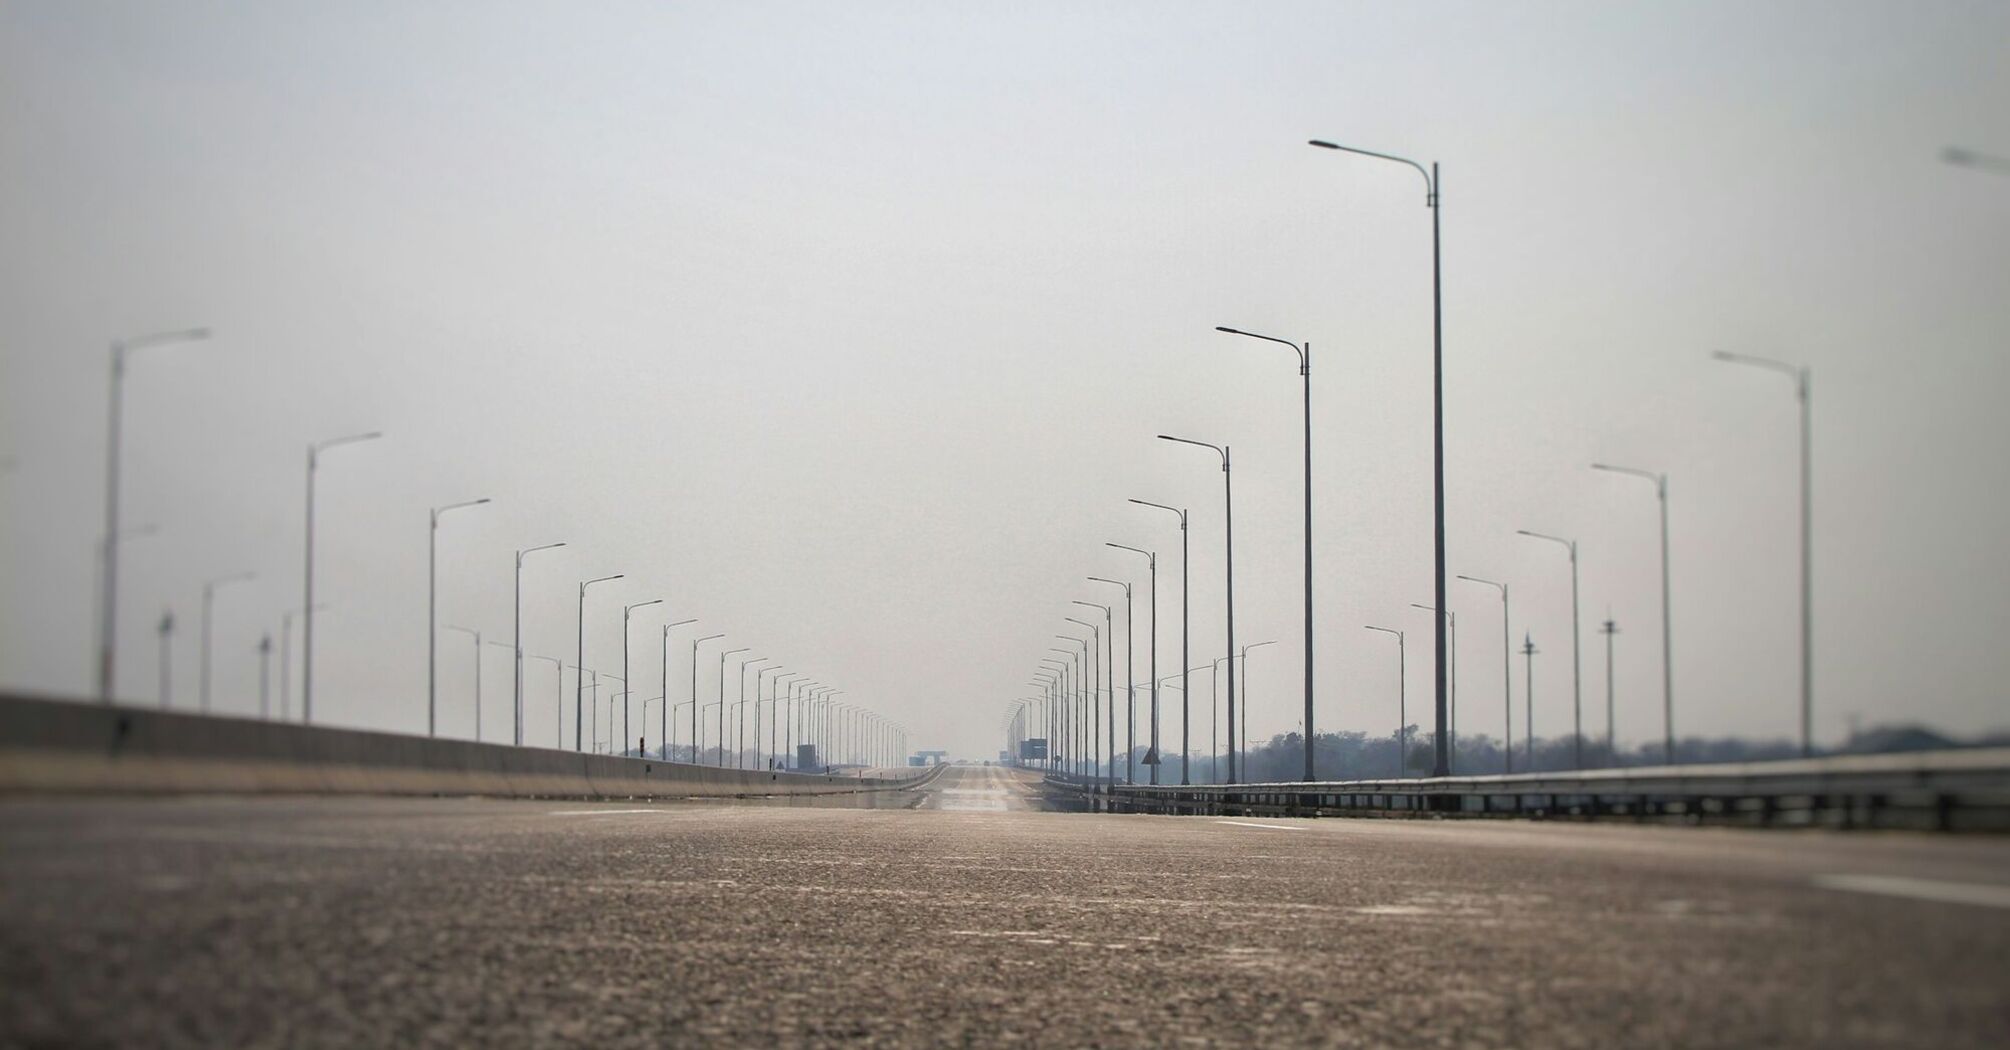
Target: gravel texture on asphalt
[{"x": 966, "y": 916}]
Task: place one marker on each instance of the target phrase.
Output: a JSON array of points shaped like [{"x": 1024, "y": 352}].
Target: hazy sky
[{"x": 846, "y": 328}]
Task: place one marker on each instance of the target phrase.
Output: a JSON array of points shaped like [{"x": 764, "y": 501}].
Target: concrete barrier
[{"x": 55, "y": 745}]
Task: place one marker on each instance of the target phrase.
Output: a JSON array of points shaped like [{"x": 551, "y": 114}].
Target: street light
[
  {"x": 1228, "y": 546},
  {"x": 697, "y": 745},
  {"x": 579, "y": 660},
  {"x": 1507, "y": 651},
  {"x": 1130, "y": 690},
  {"x": 558, "y": 697},
  {"x": 1152, "y": 560},
  {"x": 1968, "y": 158},
  {"x": 1451, "y": 627},
  {"x": 1801, "y": 377},
  {"x": 758, "y": 683},
  {"x": 1305, "y": 371},
  {"x": 1090, "y": 659},
  {"x": 1667, "y": 646},
  {"x": 1110, "y": 681},
  {"x": 121, "y": 350},
  {"x": 433, "y": 610},
  {"x": 774, "y": 720},
  {"x": 477, "y": 636},
  {"x": 1576, "y": 663},
  {"x": 208, "y": 602},
  {"x": 1443, "y": 762},
  {"x": 1232, "y": 742},
  {"x": 1063, "y": 702},
  {"x": 722, "y": 696},
  {"x": 626, "y": 611},
  {"x": 307, "y": 620},
  {"x": 516, "y": 642},
  {"x": 667, "y": 705},
  {"x": 1402, "y": 715},
  {"x": 1186, "y": 654}
]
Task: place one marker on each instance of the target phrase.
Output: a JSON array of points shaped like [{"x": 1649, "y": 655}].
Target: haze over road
[{"x": 963, "y": 915}]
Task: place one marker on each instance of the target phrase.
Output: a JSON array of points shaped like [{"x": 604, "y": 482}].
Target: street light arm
[
  {"x": 323, "y": 446},
  {"x": 1796, "y": 372},
  {"x": 1571, "y": 545},
  {"x": 437, "y": 511},
  {"x": 1490, "y": 583},
  {"x": 1303, "y": 362},
  {"x": 1430, "y": 187},
  {"x": 1222, "y": 452},
  {"x": 1161, "y": 506}
]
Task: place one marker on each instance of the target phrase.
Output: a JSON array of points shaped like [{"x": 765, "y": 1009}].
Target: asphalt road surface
[{"x": 969, "y": 917}]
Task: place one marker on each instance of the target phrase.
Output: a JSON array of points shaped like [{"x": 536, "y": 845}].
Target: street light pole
[
  {"x": 1130, "y": 691},
  {"x": 1228, "y": 547},
  {"x": 579, "y": 661},
  {"x": 1186, "y": 654},
  {"x": 697, "y": 745},
  {"x": 433, "y": 612},
  {"x": 208, "y": 609},
  {"x": 477, "y": 636},
  {"x": 1443, "y": 763},
  {"x": 626, "y": 611},
  {"x": 516, "y": 641},
  {"x": 1110, "y": 684},
  {"x": 1576, "y": 660},
  {"x": 1507, "y": 650},
  {"x": 1802, "y": 378},
  {"x": 1451, "y": 628},
  {"x": 314, "y": 452},
  {"x": 666, "y": 683},
  {"x": 1152, "y": 561},
  {"x": 722, "y": 697},
  {"x": 1611, "y": 735},
  {"x": 114, "y": 422},
  {"x": 1244, "y": 742},
  {"x": 1096, "y": 637},
  {"x": 1402, "y": 716},
  {"x": 1667, "y": 646},
  {"x": 1305, "y": 371}
]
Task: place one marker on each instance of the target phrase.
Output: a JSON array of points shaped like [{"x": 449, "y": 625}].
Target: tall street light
[
  {"x": 1062, "y": 703},
  {"x": 477, "y": 637},
  {"x": 1228, "y": 547},
  {"x": 114, "y": 421},
  {"x": 759, "y": 679},
  {"x": 775, "y": 699},
  {"x": 1449, "y": 621},
  {"x": 1246, "y": 706},
  {"x": 1667, "y": 646},
  {"x": 1402, "y": 716},
  {"x": 1091, "y": 658},
  {"x": 1130, "y": 690},
  {"x": 697, "y": 745},
  {"x": 1443, "y": 763},
  {"x": 667, "y": 705},
  {"x": 208, "y": 610},
  {"x": 722, "y": 696},
  {"x": 1109, "y": 682},
  {"x": 516, "y": 640},
  {"x": 579, "y": 660},
  {"x": 1078, "y": 662},
  {"x": 314, "y": 452},
  {"x": 627, "y": 611},
  {"x": 1152, "y": 560},
  {"x": 1186, "y": 654},
  {"x": 1576, "y": 663},
  {"x": 1305, "y": 371},
  {"x": 1507, "y": 656},
  {"x": 433, "y": 612},
  {"x": 1801, "y": 377}
]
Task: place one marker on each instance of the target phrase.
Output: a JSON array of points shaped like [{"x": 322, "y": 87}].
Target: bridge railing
[{"x": 1950, "y": 789}]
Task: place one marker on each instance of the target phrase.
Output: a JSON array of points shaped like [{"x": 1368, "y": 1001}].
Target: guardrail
[
  {"x": 53, "y": 745},
  {"x": 1964, "y": 789}
]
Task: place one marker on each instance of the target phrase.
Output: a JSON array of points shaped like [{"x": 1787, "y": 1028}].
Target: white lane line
[
  {"x": 1267, "y": 827},
  {"x": 598, "y": 812},
  {"x": 1982, "y": 894}
]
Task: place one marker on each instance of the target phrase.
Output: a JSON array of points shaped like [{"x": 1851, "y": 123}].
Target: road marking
[
  {"x": 1268, "y": 827},
  {"x": 1983, "y": 894},
  {"x": 598, "y": 812}
]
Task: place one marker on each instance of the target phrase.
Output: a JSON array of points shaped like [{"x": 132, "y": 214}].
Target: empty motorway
[{"x": 965, "y": 915}]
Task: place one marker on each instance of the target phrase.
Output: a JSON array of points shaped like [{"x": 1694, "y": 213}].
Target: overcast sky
[{"x": 847, "y": 329}]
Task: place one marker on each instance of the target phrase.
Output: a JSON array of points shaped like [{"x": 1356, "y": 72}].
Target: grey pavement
[{"x": 964, "y": 915}]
